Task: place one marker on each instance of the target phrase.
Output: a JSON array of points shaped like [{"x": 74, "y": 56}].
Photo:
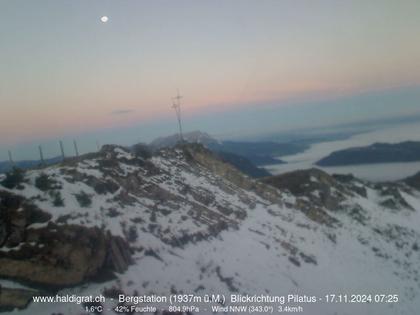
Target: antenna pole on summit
[
  {"x": 62, "y": 150},
  {"x": 10, "y": 158},
  {"x": 41, "y": 155},
  {"x": 76, "y": 150},
  {"x": 176, "y": 104}
]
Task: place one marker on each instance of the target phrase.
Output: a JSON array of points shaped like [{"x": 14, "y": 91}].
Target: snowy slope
[{"x": 193, "y": 229}]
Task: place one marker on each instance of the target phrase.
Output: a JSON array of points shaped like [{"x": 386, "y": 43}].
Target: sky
[{"x": 243, "y": 67}]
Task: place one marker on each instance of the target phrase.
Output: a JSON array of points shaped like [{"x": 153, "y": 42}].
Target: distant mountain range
[
  {"x": 258, "y": 152},
  {"x": 246, "y": 156},
  {"x": 261, "y": 152},
  {"x": 408, "y": 151},
  {"x": 191, "y": 137}
]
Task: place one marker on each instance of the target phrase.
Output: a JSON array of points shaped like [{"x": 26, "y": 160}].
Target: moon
[{"x": 104, "y": 19}]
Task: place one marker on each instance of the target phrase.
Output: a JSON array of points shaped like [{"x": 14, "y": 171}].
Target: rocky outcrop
[
  {"x": 212, "y": 162},
  {"x": 56, "y": 256},
  {"x": 414, "y": 181},
  {"x": 15, "y": 298},
  {"x": 16, "y": 213},
  {"x": 60, "y": 256},
  {"x": 53, "y": 255},
  {"x": 118, "y": 254},
  {"x": 318, "y": 186},
  {"x": 316, "y": 192},
  {"x": 303, "y": 181}
]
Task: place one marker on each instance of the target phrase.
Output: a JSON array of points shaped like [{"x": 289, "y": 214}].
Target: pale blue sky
[{"x": 245, "y": 67}]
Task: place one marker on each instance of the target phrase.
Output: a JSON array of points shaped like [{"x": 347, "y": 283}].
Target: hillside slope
[{"x": 192, "y": 223}]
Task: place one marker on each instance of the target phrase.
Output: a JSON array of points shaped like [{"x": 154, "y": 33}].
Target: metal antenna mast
[
  {"x": 10, "y": 157},
  {"x": 76, "y": 150},
  {"x": 41, "y": 155},
  {"x": 63, "y": 157},
  {"x": 176, "y": 104}
]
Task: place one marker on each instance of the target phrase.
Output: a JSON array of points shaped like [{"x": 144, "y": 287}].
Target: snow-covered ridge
[{"x": 196, "y": 225}]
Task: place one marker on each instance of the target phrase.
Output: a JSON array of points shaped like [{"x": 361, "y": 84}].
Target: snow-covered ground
[{"x": 265, "y": 247}]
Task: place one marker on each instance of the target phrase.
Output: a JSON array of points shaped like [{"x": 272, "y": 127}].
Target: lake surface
[{"x": 373, "y": 172}]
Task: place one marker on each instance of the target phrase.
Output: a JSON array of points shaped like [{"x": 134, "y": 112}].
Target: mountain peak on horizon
[{"x": 195, "y": 136}]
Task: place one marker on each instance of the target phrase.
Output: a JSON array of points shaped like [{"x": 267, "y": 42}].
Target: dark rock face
[
  {"x": 392, "y": 196},
  {"x": 53, "y": 256},
  {"x": 15, "y": 298},
  {"x": 15, "y": 215},
  {"x": 414, "y": 181},
  {"x": 316, "y": 192},
  {"x": 56, "y": 256},
  {"x": 321, "y": 188},
  {"x": 118, "y": 256},
  {"x": 142, "y": 150},
  {"x": 60, "y": 256},
  {"x": 300, "y": 183}
]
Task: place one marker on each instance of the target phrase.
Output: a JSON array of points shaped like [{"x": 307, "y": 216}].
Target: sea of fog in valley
[{"x": 373, "y": 172}]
